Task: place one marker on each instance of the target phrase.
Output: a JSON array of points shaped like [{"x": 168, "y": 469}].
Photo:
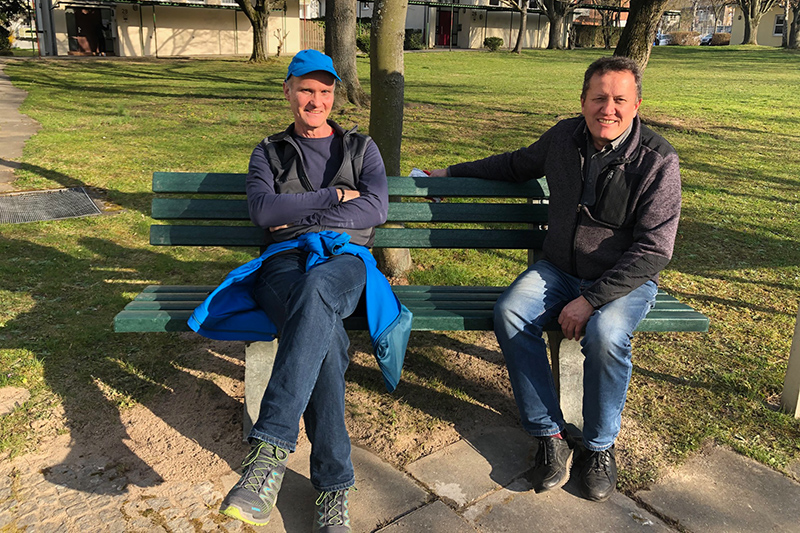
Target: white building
[{"x": 167, "y": 28}]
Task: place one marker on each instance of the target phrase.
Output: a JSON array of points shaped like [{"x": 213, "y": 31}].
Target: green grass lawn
[{"x": 732, "y": 113}]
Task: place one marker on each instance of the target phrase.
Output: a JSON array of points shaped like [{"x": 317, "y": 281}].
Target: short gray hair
[{"x": 608, "y": 64}]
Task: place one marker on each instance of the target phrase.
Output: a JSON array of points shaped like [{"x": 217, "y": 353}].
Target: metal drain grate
[{"x": 52, "y": 204}]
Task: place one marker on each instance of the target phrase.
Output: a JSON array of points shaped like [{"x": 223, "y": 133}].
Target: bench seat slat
[{"x": 142, "y": 321}]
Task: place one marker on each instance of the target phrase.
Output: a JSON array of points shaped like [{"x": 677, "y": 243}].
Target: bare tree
[
  {"x": 636, "y": 40},
  {"x": 340, "y": 44},
  {"x": 718, "y": 11},
  {"x": 387, "y": 77},
  {"x": 753, "y": 10},
  {"x": 785, "y": 36},
  {"x": 257, "y": 12},
  {"x": 521, "y": 7},
  {"x": 609, "y": 11},
  {"x": 557, "y": 11}
]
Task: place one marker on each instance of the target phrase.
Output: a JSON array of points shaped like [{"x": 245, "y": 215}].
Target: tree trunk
[
  {"x": 795, "y": 28},
  {"x": 340, "y": 44},
  {"x": 556, "y": 31},
  {"x": 637, "y": 37},
  {"x": 386, "y": 116},
  {"x": 523, "y": 25},
  {"x": 259, "y": 19},
  {"x": 785, "y": 36},
  {"x": 751, "y": 20}
]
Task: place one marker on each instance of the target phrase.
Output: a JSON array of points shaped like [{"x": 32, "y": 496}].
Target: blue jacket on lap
[{"x": 231, "y": 313}]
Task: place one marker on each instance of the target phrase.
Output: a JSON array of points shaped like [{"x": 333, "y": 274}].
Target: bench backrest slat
[
  {"x": 384, "y": 237},
  {"x": 202, "y": 198},
  {"x": 221, "y": 183},
  {"x": 223, "y": 209}
]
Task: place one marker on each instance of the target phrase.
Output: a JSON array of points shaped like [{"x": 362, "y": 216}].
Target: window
[{"x": 780, "y": 22}]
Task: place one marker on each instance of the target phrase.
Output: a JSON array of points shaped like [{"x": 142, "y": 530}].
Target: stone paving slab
[
  {"x": 518, "y": 508},
  {"x": 383, "y": 494},
  {"x": 724, "y": 492},
  {"x": 472, "y": 468},
  {"x": 436, "y": 516}
]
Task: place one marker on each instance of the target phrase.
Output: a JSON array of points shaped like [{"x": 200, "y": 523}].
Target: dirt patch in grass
[{"x": 454, "y": 385}]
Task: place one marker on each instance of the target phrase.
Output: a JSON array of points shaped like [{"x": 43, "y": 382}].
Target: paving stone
[
  {"x": 724, "y": 492},
  {"x": 436, "y": 516},
  {"x": 140, "y": 524},
  {"x": 180, "y": 525},
  {"x": 6, "y": 517},
  {"x": 70, "y": 498},
  {"x": 158, "y": 503},
  {"x": 470, "y": 469},
  {"x": 25, "y": 520},
  {"x": 515, "y": 509}
]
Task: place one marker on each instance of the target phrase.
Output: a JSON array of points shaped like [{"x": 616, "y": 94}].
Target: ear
[{"x": 286, "y": 89}]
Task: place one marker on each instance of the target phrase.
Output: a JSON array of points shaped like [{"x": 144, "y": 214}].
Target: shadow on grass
[
  {"x": 132, "y": 201},
  {"x": 174, "y": 79},
  {"x": 95, "y": 372}
]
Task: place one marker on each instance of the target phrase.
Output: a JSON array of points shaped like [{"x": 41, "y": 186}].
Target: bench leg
[
  {"x": 566, "y": 360},
  {"x": 259, "y": 358},
  {"x": 790, "y": 399}
]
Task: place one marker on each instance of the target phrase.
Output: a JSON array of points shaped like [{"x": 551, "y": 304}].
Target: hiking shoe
[
  {"x": 332, "y": 513},
  {"x": 251, "y": 500},
  {"x": 598, "y": 477},
  {"x": 551, "y": 464}
]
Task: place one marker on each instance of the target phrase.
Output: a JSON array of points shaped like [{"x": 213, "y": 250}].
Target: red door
[{"x": 443, "y": 28}]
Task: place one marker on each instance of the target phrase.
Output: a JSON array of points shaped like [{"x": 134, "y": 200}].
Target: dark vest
[{"x": 288, "y": 169}]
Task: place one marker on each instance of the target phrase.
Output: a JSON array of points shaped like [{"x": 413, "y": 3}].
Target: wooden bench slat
[
  {"x": 180, "y": 235},
  {"x": 199, "y": 209},
  {"x": 223, "y": 209},
  {"x": 234, "y": 183},
  {"x": 199, "y": 182},
  {"x": 156, "y": 320}
]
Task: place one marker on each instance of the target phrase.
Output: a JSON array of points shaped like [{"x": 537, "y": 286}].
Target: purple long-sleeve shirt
[{"x": 322, "y": 158}]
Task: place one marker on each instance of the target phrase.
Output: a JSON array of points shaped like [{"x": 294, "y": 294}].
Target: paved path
[
  {"x": 15, "y": 129},
  {"x": 471, "y": 485}
]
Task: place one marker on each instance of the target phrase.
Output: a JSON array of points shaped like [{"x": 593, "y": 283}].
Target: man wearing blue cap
[{"x": 312, "y": 177}]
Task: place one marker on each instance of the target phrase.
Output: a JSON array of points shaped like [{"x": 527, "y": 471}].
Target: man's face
[
  {"x": 610, "y": 105},
  {"x": 311, "y": 99}
]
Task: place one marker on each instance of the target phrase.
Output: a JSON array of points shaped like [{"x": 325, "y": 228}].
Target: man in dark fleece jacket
[
  {"x": 312, "y": 177},
  {"x": 615, "y": 197}
]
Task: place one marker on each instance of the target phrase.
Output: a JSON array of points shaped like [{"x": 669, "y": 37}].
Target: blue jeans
[
  {"x": 535, "y": 299},
  {"x": 308, "y": 375}
]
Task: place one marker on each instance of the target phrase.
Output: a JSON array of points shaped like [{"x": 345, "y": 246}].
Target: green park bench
[{"x": 208, "y": 209}]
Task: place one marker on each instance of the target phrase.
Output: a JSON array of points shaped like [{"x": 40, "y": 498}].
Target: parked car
[
  {"x": 662, "y": 39},
  {"x": 705, "y": 40}
]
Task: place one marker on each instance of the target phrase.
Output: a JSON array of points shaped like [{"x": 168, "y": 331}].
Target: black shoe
[
  {"x": 552, "y": 463},
  {"x": 598, "y": 477}
]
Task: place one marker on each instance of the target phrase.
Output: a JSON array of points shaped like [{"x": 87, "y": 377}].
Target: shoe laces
[
  {"x": 599, "y": 461},
  {"x": 332, "y": 508},
  {"x": 260, "y": 462}
]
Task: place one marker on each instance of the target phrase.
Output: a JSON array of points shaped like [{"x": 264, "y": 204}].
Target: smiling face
[
  {"x": 609, "y": 105},
  {"x": 311, "y": 98}
]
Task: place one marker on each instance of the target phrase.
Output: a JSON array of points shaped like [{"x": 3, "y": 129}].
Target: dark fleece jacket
[{"x": 627, "y": 237}]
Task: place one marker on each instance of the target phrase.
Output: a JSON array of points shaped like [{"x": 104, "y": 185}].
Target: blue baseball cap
[{"x": 306, "y": 61}]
